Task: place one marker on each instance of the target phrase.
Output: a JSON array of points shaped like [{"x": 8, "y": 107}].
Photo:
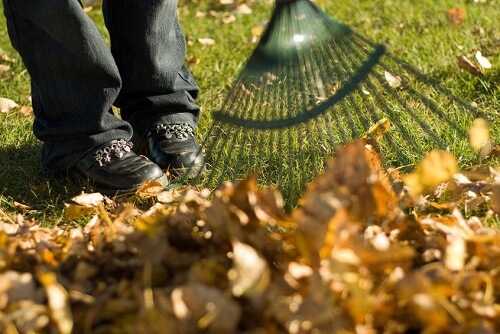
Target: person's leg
[
  {"x": 158, "y": 95},
  {"x": 74, "y": 78},
  {"x": 75, "y": 81},
  {"x": 149, "y": 49}
]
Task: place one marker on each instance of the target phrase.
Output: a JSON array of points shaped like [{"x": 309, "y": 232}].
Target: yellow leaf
[
  {"x": 479, "y": 137},
  {"x": 58, "y": 302},
  {"x": 379, "y": 129},
  {"x": 436, "y": 168}
]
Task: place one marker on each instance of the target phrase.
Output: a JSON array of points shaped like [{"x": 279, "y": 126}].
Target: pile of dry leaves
[{"x": 366, "y": 251}]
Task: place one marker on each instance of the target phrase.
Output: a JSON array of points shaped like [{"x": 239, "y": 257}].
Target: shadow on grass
[{"x": 22, "y": 181}]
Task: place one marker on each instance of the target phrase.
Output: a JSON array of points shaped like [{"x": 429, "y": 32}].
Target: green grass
[{"x": 417, "y": 31}]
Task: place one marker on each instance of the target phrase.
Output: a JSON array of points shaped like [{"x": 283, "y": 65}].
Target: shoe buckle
[
  {"x": 116, "y": 149},
  {"x": 181, "y": 131}
]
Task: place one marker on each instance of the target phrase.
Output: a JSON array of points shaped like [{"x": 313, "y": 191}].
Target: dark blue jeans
[{"x": 76, "y": 78}]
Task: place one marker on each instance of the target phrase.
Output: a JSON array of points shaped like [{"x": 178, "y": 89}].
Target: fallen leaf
[
  {"x": 206, "y": 41},
  {"x": 467, "y": 65},
  {"x": 483, "y": 62},
  {"x": 257, "y": 32},
  {"x": 244, "y": 9},
  {"x": 26, "y": 111},
  {"x": 89, "y": 200},
  {"x": 200, "y": 14},
  {"x": 58, "y": 301},
  {"x": 479, "y": 137},
  {"x": 457, "y": 15},
  {"x": 436, "y": 168},
  {"x": 21, "y": 206},
  {"x": 456, "y": 253},
  {"x": 4, "y": 68},
  {"x": 379, "y": 129},
  {"x": 150, "y": 189},
  {"x": 392, "y": 80},
  {"x": 6, "y": 58},
  {"x": 229, "y": 18},
  {"x": 206, "y": 308},
  {"x": 17, "y": 286},
  {"x": 75, "y": 211},
  {"x": 250, "y": 275},
  {"x": 7, "y": 105}
]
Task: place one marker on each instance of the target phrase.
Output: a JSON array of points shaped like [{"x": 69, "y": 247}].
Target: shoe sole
[
  {"x": 189, "y": 173},
  {"x": 80, "y": 179}
]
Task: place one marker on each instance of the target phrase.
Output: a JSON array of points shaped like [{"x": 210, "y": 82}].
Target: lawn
[{"x": 418, "y": 32}]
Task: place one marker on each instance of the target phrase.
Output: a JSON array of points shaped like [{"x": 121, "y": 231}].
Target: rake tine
[{"x": 374, "y": 115}]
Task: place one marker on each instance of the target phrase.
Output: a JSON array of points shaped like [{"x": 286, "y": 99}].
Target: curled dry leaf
[{"x": 467, "y": 65}]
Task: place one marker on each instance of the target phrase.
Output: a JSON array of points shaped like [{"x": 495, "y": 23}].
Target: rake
[{"x": 313, "y": 83}]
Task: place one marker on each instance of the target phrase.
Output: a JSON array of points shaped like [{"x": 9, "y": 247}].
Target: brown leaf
[
  {"x": 457, "y": 15},
  {"x": 467, "y": 65},
  {"x": 26, "y": 111},
  {"x": 150, "y": 189}
]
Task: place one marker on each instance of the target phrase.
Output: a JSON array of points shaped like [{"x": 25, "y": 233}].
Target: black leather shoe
[
  {"x": 173, "y": 146},
  {"x": 114, "y": 168}
]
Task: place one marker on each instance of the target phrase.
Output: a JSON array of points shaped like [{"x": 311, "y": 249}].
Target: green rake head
[{"x": 312, "y": 84}]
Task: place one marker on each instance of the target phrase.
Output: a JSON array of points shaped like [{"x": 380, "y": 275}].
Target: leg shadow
[{"x": 22, "y": 181}]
